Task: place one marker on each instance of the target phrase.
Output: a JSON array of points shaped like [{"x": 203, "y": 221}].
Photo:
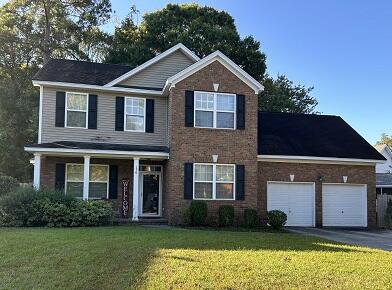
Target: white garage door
[
  {"x": 293, "y": 198},
  {"x": 344, "y": 205}
]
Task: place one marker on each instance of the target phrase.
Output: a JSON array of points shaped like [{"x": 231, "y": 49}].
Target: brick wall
[
  {"x": 198, "y": 145},
  {"x": 278, "y": 171}
]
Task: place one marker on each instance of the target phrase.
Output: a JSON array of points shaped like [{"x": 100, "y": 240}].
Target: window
[
  {"x": 99, "y": 181},
  {"x": 214, "y": 110},
  {"x": 135, "y": 111},
  {"x": 76, "y": 110},
  {"x": 213, "y": 181}
]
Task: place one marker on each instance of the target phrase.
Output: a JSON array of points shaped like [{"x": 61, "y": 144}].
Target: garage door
[
  {"x": 344, "y": 205},
  {"x": 293, "y": 198}
]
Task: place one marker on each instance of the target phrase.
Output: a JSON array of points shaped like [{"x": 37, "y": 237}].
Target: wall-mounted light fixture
[
  {"x": 216, "y": 87},
  {"x": 215, "y": 158},
  {"x": 345, "y": 179},
  {"x": 320, "y": 178},
  {"x": 292, "y": 177}
]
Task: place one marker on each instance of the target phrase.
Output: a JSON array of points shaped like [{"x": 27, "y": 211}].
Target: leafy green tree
[
  {"x": 385, "y": 139},
  {"x": 281, "y": 95},
  {"x": 201, "y": 29},
  {"x": 31, "y": 32}
]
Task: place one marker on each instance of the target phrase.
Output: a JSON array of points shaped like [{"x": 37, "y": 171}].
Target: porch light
[
  {"x": 291, "y": 177},
  {"x": 345, "y": 179},
  {"x": 215, "y": 158}
]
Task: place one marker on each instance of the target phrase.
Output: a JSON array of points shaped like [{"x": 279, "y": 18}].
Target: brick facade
[
  {"x": 194, "y": 145},
  {"x": 278, "y": 171}
]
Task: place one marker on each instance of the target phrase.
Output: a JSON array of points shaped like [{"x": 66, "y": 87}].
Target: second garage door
[
  {"x": 296, "y": 199},
  {"x": 344, "y": 205}
]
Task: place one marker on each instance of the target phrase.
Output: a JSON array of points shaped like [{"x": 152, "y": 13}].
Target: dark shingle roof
[
  {"x": 311, "y": 135},
  {"x": 100, "y": 146},
  {"x": 383, "y": 179},
  {"x": 82, "y": 72}
]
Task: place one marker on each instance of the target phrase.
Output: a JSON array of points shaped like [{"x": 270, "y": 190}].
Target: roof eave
[{"x": 316, "y": 159}]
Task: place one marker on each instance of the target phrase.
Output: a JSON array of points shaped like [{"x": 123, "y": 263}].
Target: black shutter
[
  {"x": 113, "y": 181},
  {"x": 189, "y": 108},
  {"x": 60, "y": 109},
  {"x": 188, "y": 181},
  {"x": 149, "y": 116},
  {"x": 240, "y": 112},
  {"x": 92, "y": 111},
  {"x": 119, "y": 113},
  {"x": 240, "y": 182},
  {"x": 60, "y": 176}
]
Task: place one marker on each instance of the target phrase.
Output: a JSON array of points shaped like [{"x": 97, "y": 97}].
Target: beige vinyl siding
[
  {"x": 155, "y": 75},
  {"x": 105, "y": 131}
]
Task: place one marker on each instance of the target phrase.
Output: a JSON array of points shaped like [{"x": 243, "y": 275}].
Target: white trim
[
  {"x": 384, "y": 186},
  {"x": 214, "y": 182},
  {"x": 313, "y": 159},
  {"x": 215, "y": 111},
  {"x": 365, "y": 221},
  {"x": 97, "y": 88},
  {"x": 141, "y": 185},
  {"x": 98, "y": 153},
  {"x": 300, "y": 182},
  {"x": 152, "y": 61},
  {"x": 135, "y": 191},
  {"x": 86, "y": 177},
  {"x": 37, "y": 171},
  {"x": 224, "y": 60},
  {"x": 41, "y": 95},
  {"x": 125, "y": 114},
  {"x": 75, "y": 110}
]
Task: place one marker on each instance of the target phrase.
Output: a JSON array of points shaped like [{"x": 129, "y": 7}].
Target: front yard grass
[{"x": 135, "y": 257}]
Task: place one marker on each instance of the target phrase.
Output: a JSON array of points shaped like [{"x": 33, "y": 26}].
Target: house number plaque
[{"x": 125, "y": 198}]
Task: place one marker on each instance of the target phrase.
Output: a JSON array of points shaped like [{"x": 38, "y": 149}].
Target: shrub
[
  {"x": 8, "y": 184},
  {"x": 388, "y": 215},
  {"x": 276, "y": 219},
  {"x": 186, "y": 217},
  {"x": 198, "y": 212},
  {"x": 226, "y": 215},
  {"x": 250, "y": 217},
  {"x": 28, "y": 207}
]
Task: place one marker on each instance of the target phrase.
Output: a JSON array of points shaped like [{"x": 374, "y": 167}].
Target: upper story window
[
  {"x": 215, "y": 110},
  {"x": 99, "y": 181},
  {"x": 76, "y": 110},
  {"x": 214, "y": 181},
  {"x": 135, "y": 113}
]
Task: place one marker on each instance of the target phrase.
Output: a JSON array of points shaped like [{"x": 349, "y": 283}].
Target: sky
[{"x": 341, "y": 48}]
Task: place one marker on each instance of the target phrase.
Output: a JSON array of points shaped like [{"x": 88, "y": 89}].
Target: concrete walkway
[{"x": 379, "y": 239}]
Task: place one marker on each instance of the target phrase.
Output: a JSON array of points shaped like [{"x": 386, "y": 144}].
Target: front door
[{"x": 150, "y": 194}]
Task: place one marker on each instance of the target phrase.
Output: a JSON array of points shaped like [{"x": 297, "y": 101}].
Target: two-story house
[{"x": 179, "y": 128}]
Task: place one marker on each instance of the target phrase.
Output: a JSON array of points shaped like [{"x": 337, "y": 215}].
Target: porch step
[{"x": 143, "y": 221}]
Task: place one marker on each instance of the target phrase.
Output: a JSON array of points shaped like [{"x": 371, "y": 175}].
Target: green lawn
[{"x": 132, "y": 257}]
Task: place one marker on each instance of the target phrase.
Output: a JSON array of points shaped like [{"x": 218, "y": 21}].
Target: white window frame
[
  {"x": 73, "y": 110},
  {"x": 215, "y": 111},
  {"x": 82, "y": 181},
  {"x": 125, "y": 114},
  {"x": 214, "y": 181}
]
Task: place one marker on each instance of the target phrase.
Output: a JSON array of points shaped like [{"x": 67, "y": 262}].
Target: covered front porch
[{"x": 130, "y": 176}]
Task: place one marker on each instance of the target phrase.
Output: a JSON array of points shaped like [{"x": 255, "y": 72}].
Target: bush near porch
[{"x": 29, "y": 207}]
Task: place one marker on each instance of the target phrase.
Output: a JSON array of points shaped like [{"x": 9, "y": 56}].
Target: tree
[
  {"x": 31, "y": 32},
  {"x": 204, "y": 30},
  {"x": 281, "y": 95},
  {"x": 201, "y": 29},
  {"x": 385, "y": 139}
]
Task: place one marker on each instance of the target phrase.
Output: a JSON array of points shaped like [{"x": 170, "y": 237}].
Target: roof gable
[
  {"x": 178, "y": 47},
  {"x": 225, "y": 61}
]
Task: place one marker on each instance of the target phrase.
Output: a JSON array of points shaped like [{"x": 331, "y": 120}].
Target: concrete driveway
[{"x": 379, "y": 239}]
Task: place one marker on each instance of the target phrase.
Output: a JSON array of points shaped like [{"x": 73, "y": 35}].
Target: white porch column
[
  {"x": 135, "y": 213},
  {"x": 37, "y": 171},
  {"x": 86, "y": 177}
]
